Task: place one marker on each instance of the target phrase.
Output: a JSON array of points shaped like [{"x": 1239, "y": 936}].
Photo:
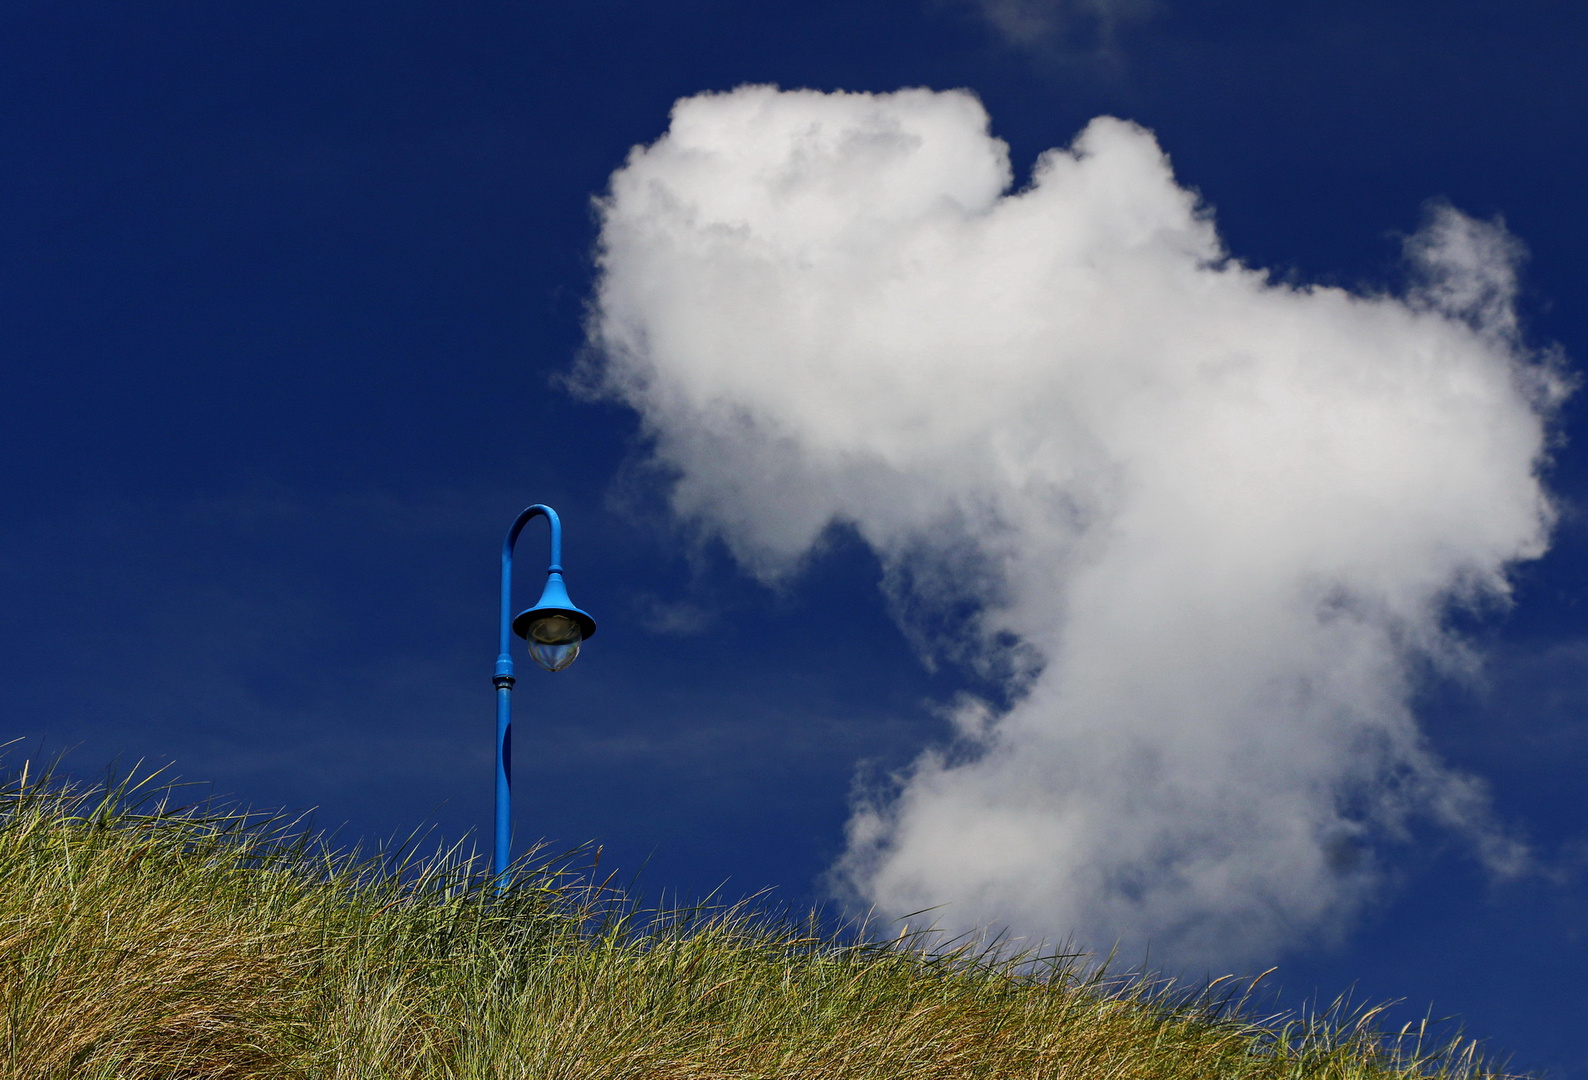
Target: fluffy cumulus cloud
[{"x": 1205, "y": 526}]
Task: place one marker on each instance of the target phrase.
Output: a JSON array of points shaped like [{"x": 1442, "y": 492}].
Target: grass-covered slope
[{"x": 156, "y": 942}]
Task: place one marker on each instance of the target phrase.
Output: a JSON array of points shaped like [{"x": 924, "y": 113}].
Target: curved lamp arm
[{"x": 504, "y": 659}]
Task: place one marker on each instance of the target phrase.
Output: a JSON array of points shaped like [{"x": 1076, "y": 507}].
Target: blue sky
[{"x": 291, "y": 293}]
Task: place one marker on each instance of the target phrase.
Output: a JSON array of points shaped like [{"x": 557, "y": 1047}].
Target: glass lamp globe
[{"x": 554, "y": 641}]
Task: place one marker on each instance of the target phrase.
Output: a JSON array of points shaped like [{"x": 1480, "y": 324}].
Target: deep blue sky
[{"x": 285, "y": 293}]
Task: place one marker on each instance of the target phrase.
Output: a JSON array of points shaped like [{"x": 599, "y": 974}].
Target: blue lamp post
[{"x": 553, "y": 629}]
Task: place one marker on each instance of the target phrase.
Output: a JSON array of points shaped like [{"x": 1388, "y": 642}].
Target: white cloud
[
  {"x": 1045, "y": 22},
  {"x": 1209, "y": 523}
]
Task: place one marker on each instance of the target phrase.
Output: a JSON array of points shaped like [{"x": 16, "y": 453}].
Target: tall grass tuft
[{"x": 145, "y": 940}]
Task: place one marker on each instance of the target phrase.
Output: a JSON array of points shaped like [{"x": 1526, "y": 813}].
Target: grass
[{"x": 141, "y": 939}]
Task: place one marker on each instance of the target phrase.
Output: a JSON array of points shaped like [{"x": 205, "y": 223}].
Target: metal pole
[
  {"x": 504, "y": 778},
  {"x": 503, "y": 681}
]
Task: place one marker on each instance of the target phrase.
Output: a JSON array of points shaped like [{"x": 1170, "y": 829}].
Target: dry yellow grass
[{"x": 142, "y": 941}]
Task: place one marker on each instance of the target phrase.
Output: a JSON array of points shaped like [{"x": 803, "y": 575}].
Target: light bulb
[{"x": 553, "y": 641}]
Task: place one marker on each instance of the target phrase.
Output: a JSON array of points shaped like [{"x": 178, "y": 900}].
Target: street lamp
[{"x": 554, "y": 629}]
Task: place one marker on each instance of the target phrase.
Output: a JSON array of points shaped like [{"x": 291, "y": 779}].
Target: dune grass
[{"x": 142, "y": 939}]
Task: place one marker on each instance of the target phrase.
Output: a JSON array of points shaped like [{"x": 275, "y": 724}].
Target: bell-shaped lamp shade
[{"x": 554, "y": 628}]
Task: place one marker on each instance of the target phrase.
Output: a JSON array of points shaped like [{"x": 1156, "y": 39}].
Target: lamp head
[{"x": 554, "y": 628}]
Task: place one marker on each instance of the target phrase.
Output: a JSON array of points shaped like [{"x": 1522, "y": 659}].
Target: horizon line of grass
[{"x": 142, "y": 938}]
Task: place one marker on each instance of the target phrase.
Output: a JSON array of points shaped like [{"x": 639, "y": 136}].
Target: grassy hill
[{"x": 139, "y": 940}]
